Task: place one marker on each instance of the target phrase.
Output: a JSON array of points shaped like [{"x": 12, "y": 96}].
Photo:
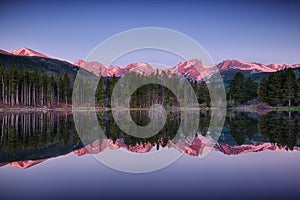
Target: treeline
[
  {"x": 149, "y": 94},
  {"x": 281, "y": 88},
  {"x": 242, "y": 90},
  {"x": 33, "y": 88}
]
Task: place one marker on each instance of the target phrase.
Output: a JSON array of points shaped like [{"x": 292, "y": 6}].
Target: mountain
[
  {"x": 26, "y": 164},
  {"x": 26, "y": 58},
  {"x": 114, "y": 70},
  {"x": 4, "y": 52},
  {"x": 252, "y": 66},
  {"x": 140, "y": 68},
  {"x": 94, "y": 67},
  {"x": 193, "y": 69},
  {"x": 247, "y": 148},
  {"x": 194, "y": 147},
  {"x": 188, "y": 69},
  {"x": 98, "y": 146},
  {"x": 3, "y": 164},
  {"x": 37, "y": 63},
  {"x": 27, "y": 52}
]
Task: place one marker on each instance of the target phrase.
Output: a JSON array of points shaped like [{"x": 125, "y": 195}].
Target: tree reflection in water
[{"x": 38, "y": 135}]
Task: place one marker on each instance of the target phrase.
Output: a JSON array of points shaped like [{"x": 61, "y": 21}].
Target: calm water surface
[{"x": 256, "y": 156}]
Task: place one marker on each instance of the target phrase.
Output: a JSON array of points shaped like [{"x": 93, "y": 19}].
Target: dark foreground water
[{"x": 256, "y": 157}]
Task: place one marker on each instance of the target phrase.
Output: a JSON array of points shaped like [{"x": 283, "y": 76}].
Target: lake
[{"x": 59, "y": 155}]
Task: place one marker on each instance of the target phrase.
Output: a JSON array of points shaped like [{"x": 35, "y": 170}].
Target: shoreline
[
  {"x": 254, "y": 108},
  {"x": 90, "y": 108}
]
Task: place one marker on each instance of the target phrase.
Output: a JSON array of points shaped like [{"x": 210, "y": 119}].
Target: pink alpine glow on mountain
[
  {"x": 108, "y": 144},
  {"x": 94, "y": 67},
  {"x": 114, "y": 70},
  {"x": 193, "y": 147},
  {"x": 140, "y": 68},
  {"x": 28, "y": 52},
  {"x": 191, "y": 68},
  {"x": 26, "y": 164},
  {"x": 253, "y": 66}
]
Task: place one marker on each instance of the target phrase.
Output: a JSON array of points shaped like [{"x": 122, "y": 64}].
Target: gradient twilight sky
[{"x": 266, "y": 32}]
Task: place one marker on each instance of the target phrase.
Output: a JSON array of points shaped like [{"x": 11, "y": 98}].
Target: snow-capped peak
[
  {"x": 253, "y": 66},
  {"x": 27, "y": 52},
  {"x": 93, "y": 66},
  {"x": 140, "y": 67},
  {"x": 192, "y": 69}
]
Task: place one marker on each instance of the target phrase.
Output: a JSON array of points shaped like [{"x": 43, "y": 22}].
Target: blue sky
[{"x": 266, "y": 32}]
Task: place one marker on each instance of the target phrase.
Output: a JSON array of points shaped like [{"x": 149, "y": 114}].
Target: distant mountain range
[
  {"x": 33, "y": 60},
  {"x": 253, "y": 67},
  {"x": 189, "y": 69}
]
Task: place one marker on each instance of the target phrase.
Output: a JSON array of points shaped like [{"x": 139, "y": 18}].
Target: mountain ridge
[
  {"x": 193, "y": 69},
  {"x": 253, "y": 66}
]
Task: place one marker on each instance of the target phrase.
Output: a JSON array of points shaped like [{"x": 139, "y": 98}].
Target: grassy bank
[
  {"x": 253, "y": 108},
  {"x": 292, "y": 108}
]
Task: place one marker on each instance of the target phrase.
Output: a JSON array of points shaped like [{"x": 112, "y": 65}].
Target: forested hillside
[{"x": 33, "y": 63}]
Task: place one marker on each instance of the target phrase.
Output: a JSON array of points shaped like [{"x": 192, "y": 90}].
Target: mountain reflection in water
[{"x": 29, "y": 138}]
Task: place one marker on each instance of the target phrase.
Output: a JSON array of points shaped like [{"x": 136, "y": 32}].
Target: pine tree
[
  {"x": 13, "y": 76},
  {"x": 250, "y": 90},
  {"x": 298, "y": 91},
  {"x": 263, "y": 92},
  {"x": 6, "y": 87},
  {"x": 289, "y": 93},
  {"x": 49, "y": 91},
  {"x": 2, "y": 84},
  {"x": 275, "y": 89},
  {"x": 236, "y": 91},
  {"x": 66, "y": 88},
  {"x": 59, "y": 89},
  {"x": 204, "y": 96},
  {"x": 99, "y": 92}
]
